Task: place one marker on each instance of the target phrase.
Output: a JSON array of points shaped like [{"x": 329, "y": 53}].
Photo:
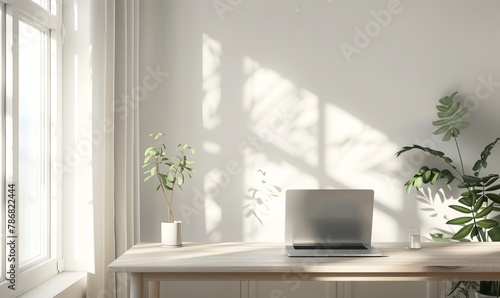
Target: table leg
[
  {"x": 154, "y": 289},
  {"x": 136, "y": 285}
]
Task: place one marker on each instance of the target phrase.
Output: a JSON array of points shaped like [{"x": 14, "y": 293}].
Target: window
[{"x": 30, "y": 51}]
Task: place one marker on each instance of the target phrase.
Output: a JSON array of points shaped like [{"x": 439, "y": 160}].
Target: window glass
[{"x": 34, "y": 154}]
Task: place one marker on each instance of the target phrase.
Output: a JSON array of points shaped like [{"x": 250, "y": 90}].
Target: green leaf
[
  {"x": 150, "y": 151},
  {"x": 475, "y": 232},
  {"x": 461, "y": 125},
  {"x": 147, "y": 158},
  {"x": 477, "y": 166},
  {"x": 469, "y": 193},
  {"x": 472, "y": 180},
  {"x": 494, "y": 197},
  {"x": 494, "y": 187},
  {"x": 467, "y": 201},
  {"x": 479, "y": 203},
  {"x": 447, "y": 136},
  {"x": 423, "y": 169},
  {"x": 453, "y": 95},
  {"x": 460, "y": 114},
  {"x": 446, "y": 101},
  {"x": 485, "y": 211},
  {"x": 460, "y": 209},
  {"x": 148, "y": 177},
  {"x": 487, "y": 223},
  {"x": 455, "y": 108},
  {"x": 490, "y": 179},
  {"x": 435, "y": 176},
  {"x": 459, "y": 220},
  {"x": 463, "y": 232},
  {"x": 484, "y": 155},
  {"x": 441, "y": 130},
  {"x": 494, "y": 234},
  {"x": 441, "y": 108},
  {"x": 180, "y": 179},
  {"x": 448, "y": 175},
  {"x": 418, "y": 182},
  {"x": 408, "y": 187},
  {"x": 426, "y": 176},
  {"x": 445, "y": 114},
  {"x": 441, "y": 122}
]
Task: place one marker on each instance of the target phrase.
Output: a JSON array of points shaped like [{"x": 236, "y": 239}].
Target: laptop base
[{"x": 330, "y": 251}]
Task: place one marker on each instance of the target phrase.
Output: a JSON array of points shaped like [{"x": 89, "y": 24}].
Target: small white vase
[{"x": 171, "y": 233}]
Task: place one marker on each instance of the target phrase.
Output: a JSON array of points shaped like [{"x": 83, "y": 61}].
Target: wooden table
[{"x": 150, "y": 262}]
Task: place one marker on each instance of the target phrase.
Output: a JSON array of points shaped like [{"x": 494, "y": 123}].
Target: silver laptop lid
[{"x": 328, "y": 216}]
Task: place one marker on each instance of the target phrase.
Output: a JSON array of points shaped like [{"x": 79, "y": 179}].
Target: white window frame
[{"x": 15, "y": 10}]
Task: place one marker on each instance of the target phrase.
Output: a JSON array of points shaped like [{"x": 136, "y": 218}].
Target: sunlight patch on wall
[
  {"x": 279, "y": 113},
  {"x": 211, "y": 119},
  {"x": 211, "y": 51},
  {"x": 298, "y": 141},
  {"x": 284, "y": 119},
  {"x": 213, "y": 210},
  {"x": 308, "y": 143},
  {"x": 356, "y": 155},
  {"x": 359, "y": 156}
]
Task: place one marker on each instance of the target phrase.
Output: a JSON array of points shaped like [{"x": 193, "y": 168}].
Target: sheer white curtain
[{"x": 115, "y": 164}]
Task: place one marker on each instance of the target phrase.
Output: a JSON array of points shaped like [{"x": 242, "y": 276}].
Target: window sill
[{"x": 65, "y": 284}]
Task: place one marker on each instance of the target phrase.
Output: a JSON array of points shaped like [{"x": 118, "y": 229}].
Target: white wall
[{"x": 254, "y": 87}]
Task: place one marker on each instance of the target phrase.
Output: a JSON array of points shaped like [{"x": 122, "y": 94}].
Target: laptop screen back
[{"x": 328, "y": 216}]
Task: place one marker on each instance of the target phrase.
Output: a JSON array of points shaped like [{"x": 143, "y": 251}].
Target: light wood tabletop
[{"x": 269, "y": 261}]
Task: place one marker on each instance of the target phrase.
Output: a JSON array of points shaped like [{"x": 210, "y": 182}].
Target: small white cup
[{"x": 415, "y": 238}]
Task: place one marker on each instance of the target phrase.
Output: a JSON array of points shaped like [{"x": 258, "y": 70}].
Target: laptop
[{"x": 329, "y": 222}]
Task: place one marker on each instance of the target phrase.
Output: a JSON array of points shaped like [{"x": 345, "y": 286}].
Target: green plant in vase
[
  {"x": 479, "y": 203},
  {"x": 170, "y": 172}
]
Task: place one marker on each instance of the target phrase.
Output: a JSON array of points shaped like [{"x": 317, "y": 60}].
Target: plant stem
[
  {"x": 479, "y": 236},
  {"x": 471, "y": 190},
  {"x": 157, "y": 163},
  {"x": 459, "y": 155},
  {"x": 170, "y": 213},
  {"x": 169, "y": 205}
]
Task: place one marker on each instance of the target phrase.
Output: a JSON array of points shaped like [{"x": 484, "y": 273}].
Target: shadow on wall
[
  {"x": 269, "y": 89},
  {"x": 298, "y": 139}
]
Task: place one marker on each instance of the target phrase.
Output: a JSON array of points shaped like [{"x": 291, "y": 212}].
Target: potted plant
[
  {"x": 479, "y": 202},
  {"x": 171, "y": 174}
]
